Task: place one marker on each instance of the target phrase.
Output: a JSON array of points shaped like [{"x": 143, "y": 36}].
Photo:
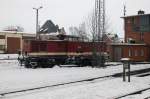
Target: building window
[
  {"x": 136, "y": 53},
  {"x": 134, "y": 21},
  {"x": 130, "y": 53},
  {"x": 142, "y": 52},
  {"x": 145, "y": 23},
  {"x": 128, "y": 21},
  {"x": 2, "y": 36},
  {"x": 2, "y": 47},
  {"x": 144, "y": 20}
]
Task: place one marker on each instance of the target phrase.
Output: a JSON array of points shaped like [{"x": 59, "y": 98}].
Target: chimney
[{"x": 141, "y": 12}]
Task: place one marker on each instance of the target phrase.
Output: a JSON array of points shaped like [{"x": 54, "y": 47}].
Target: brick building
[
  {"x": 137, "y": 39},
  {"x": 11, "y": 42}
]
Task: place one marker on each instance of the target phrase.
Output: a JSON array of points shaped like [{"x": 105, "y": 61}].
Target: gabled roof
[
  {"x": 112, "y": 37},
  {"x": 48, "y": 27}
]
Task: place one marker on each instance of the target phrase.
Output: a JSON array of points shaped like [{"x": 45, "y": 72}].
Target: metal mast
[
  {"x": 37, "y": 19},
  {"x": 100, "y": 19},
  {"x": 100, "y": 29}
]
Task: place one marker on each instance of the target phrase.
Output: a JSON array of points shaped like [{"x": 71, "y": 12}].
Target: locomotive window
[
  {"x": 34, "y": 47},
  {"x": 43, "y": 47}
]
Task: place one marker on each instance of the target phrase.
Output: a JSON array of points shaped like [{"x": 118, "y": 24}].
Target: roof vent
[{"x": 141, "y": 12}]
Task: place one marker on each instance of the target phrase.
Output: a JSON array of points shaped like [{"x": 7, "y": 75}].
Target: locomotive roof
[
  {"x": 128, "y": 44},
  {"x": 61, "y": 40}
]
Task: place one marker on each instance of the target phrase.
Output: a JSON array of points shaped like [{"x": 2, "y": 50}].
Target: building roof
[
  {"x": 48, "y": 27},
  {"x": 14, "y": 32},
  {"x": 135, "y": 15},
  {"x": 17, "y": 33},
  {"x": 113, "y": 37}
]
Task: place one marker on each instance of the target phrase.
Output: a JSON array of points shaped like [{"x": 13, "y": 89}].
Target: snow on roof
[
  {"x": 45, "y": 30},
  {"x": 111, "y": 35},
  {"x": 14, "y": 32},
  {"x": 135, "y": 15},
  {"x": 125, "y": 59},
  {"x": 51, "y": 34},
  {"x": 114, "y": 37}
]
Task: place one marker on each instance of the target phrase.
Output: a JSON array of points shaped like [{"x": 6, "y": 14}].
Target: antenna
[{"x": 124, "y": 10}]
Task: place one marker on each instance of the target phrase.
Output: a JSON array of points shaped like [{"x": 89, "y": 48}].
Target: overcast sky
[{"x": 65, "y": 13}]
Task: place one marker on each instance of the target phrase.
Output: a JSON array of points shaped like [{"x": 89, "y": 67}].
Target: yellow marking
[{"x": 58, "y": 54}]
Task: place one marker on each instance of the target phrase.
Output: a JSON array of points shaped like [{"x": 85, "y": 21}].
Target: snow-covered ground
[
  {"x": 109, "y": 89},
  {"x": 13, "y": 77},
  {"x": 8, "y": 56}
]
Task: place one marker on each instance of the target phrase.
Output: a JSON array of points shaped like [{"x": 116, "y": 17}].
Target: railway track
[
  {"x": 79, "y": 81},
  {"x": 134, "y": 93},
  {"x": 138, "y": 91},
  {"x": 147, "y": 97},
  {"x": 50, "y": 86}
]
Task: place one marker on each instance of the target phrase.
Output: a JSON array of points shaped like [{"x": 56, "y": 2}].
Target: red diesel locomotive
[{"x": 47, "y": 53}]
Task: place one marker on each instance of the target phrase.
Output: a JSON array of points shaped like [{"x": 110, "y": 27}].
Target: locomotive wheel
[
  {"x": 33, "y": 65},
  {"x": 51, "y": 66}
]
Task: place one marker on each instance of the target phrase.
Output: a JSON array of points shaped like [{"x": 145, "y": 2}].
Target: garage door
[{"x": 13, "y": 44}]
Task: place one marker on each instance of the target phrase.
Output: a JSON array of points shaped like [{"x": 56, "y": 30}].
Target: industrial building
[
  {"x": 137, "y": 39},
  {"x": 11, "y": 42}
]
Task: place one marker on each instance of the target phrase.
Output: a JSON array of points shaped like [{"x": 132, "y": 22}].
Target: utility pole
[{"x": 37, "y": 19}]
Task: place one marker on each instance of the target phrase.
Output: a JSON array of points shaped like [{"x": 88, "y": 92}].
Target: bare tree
[
  {"x": 82, "y": 31},
  {"x": 79, "y": 31},
  {"x": 91, "y": 26},
  {"x": 73, "y": 30}
]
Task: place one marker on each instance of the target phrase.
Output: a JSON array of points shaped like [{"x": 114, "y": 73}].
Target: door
[
  {"x": 117, "y": 53},
  {"x": 13, "y": 44}
]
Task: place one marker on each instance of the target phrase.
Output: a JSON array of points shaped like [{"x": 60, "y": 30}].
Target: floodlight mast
[
  {"x": 37, "y": 19},
  {"x": 100, "y": 28},
  {"x": 100, "y": 19}
]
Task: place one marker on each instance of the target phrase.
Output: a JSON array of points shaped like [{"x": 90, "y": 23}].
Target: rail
[
  {"x": 31, "y": 89},
  {"x": 133, "y": 93}
]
